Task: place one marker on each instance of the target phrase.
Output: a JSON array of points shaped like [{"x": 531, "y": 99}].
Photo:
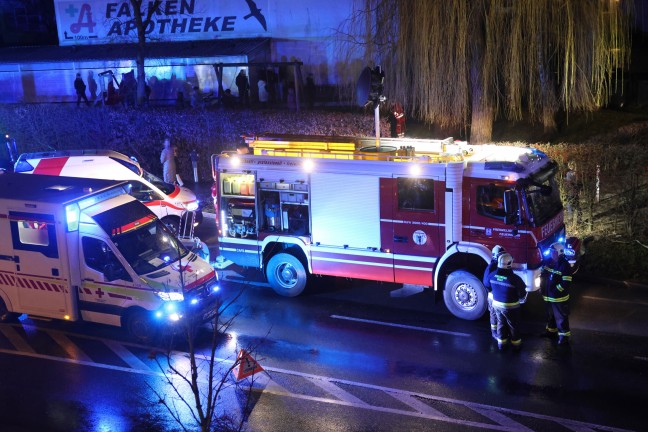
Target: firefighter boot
[{"x": 563, "y": 340}]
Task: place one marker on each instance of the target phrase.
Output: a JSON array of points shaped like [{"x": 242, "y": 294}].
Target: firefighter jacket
[
  {"x": 508, "y": 288},
  {"x": 492, "y": 267},
  {"x": 556, "y": 281}
]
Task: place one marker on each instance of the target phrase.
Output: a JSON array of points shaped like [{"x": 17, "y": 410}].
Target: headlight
[
  {"x": 171, "y": 296},
  {"x": 214, "y": 288},
  {"x": 192, "y": 206}
]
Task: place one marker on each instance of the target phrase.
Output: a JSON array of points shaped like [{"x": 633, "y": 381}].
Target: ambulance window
[
  {"x": 415, "y": 194},
  {"x": 490, "y": 201},
  {"x": 95, "y": 253},
  {"x": 98, "y": 256},
  {"x": 36, "y": 233},
  {"x": 143, "y": 193}
]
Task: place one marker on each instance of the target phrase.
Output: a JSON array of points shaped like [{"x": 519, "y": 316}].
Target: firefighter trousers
[
  {"x": 558, "y": 318},
  {"x": 508, "y": 326},
  {"x": 492, "y": 315}
]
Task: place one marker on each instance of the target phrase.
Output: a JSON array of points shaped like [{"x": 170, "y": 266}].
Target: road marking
[
  {"x": 571, "y": 424},
  {"x": 16, "y": 340},
  {"x": 126, "y": 355},
  {"x": 338, "y": 392},
  {"x": 400, "y": 326},
  {"x": 70, "y": 347},
  {"x": 641, "y": 358},
  {"x": 630, "y": 302},
  {"x": 416, "y": 404},
  {"x": 578, "y": 428},
  {"x": 500, "y": 418}
]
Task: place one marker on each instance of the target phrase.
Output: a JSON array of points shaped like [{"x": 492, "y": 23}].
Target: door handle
[{"x": 400, "y": 239}]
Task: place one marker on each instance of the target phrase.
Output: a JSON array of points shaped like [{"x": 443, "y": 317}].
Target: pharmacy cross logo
[{"x": 256, "y": 13}]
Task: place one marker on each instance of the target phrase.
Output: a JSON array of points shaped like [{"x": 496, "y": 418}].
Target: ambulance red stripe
[
  {"x": 201, "y": 280},
  {"x": 119, "y": 296},
  {"x": 52, "y": 166},
  {"x": 164, "y": 203}
]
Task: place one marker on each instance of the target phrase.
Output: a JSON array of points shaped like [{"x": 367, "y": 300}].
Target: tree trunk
[{"x": 482, "y": 110}]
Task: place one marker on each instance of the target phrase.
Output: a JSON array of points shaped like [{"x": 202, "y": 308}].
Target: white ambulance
[
  {"x": 171, "y": 203},
  {"x": 84, "y": 249}
]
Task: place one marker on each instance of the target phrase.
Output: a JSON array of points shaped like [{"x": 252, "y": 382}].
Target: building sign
[{"x": 112, "y": 21}]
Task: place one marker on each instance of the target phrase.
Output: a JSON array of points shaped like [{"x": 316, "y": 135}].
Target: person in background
[
  {"x": 92, "y": 87},
  {"x": 397, "y": 120},
  {"x": 263, "y": 93},
  {"x": 228, "y": 99},
  {"x": 167, "y": 158},
  {"x": 556, "y": 278},
  {"x": 243, "y": 87},
  {"x": 572, "y": 194},
  {"x": 80, "y": 88},
  {"x": 196, "y": 97},
  {"x": 509, "y": 292},
  {"x": 492, "y": 267}
]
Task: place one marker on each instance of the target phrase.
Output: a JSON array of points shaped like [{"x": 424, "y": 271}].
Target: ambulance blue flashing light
[{"x": 72, "y": 214}]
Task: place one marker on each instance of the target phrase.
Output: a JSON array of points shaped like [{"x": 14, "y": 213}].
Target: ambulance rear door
[{"x": 39, "y": 256}]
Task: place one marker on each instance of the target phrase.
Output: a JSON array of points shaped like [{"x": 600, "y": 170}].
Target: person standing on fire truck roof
[
  {"x": 556, "y": 279},
  {"x": 509, "y": 292},
  {"x": 492, "y": 267}
]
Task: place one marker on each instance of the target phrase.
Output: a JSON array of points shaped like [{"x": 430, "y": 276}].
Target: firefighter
[
  {"x": 492, "y": 267},
  {"x": 509, "y": 292},
  {"x": 556, "y": 279}
]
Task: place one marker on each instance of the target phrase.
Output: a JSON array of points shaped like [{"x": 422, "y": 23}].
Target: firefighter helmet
[
  {"x": 505, "y": 261},
  {"x": 558, "y": 247},
  {"x": 497, "y": 251}
]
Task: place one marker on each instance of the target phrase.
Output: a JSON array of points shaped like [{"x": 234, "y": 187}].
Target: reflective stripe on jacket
[
  {"x": 507, "y": 288},
  {"x": 557, "y": 281}
]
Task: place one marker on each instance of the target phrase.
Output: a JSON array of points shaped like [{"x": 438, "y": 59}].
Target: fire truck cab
[{"x": 410, "y": 211}]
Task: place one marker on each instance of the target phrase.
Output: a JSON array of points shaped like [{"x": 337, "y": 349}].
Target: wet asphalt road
[{"x": 346, "y": 356}]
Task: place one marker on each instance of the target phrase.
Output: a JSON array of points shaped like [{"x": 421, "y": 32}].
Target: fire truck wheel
[
  {"x": 5, "y": 315},
  {"x": 140, "y": 326},
  {"x": 173, "y": 224},
  {"x": 465, "y": 295},
  {"x": 286, "y": 275}
]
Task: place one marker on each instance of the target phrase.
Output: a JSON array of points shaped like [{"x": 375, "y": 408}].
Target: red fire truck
[{"x": 410, "y": 211}]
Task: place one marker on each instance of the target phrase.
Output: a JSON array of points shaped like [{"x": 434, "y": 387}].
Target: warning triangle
[{"x": 246, "y": 365}]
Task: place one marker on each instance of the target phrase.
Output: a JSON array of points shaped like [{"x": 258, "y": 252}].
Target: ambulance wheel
[
  {"x": 465, "y": 295},
  {"x": 286, "y": 275},
  {"x": 5, "y": 315},
  {"x": 140, "y": 326},
  {"x": 173, "y": 224}
]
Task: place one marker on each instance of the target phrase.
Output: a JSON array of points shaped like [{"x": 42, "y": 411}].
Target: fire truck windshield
[
  {"x": 149, "y": 247},
  {"x": 543, "y": 201}
]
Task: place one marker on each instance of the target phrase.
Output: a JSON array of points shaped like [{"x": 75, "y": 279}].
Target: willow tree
[{"x": 465, "y": 63}]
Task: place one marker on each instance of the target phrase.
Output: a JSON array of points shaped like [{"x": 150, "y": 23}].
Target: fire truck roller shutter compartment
[{"x": 350, "y": 247}]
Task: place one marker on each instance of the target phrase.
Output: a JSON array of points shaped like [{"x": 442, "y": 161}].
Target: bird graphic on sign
[{"x": 256, "y": 13}]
